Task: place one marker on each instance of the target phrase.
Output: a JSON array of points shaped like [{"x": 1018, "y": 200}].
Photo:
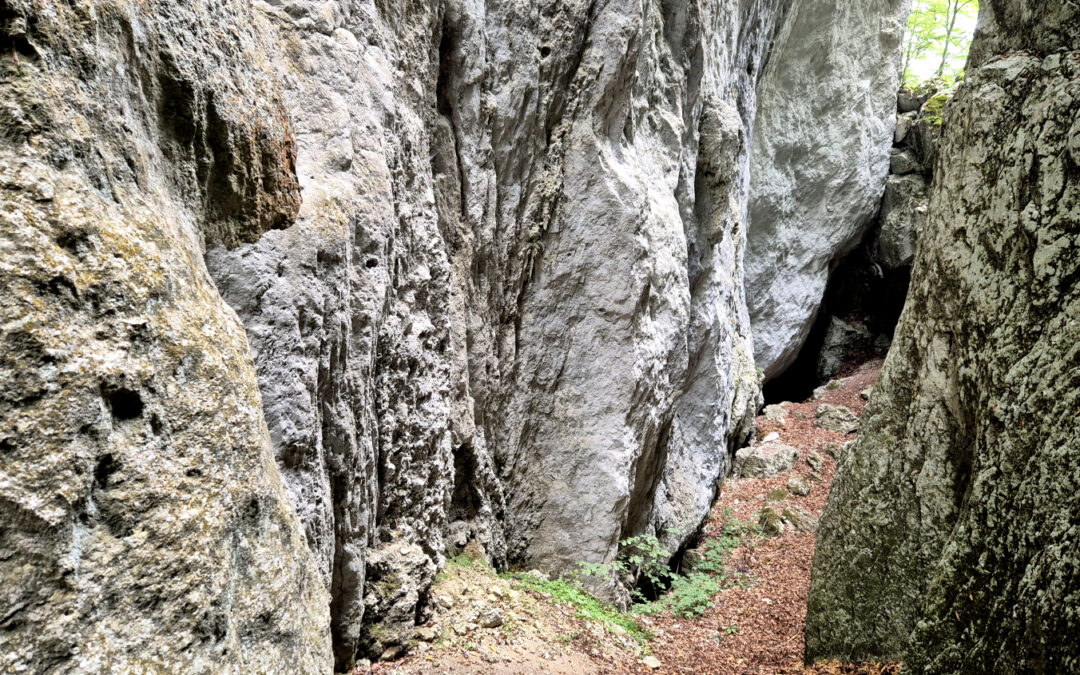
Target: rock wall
[
  {"x": 950, "y": 540},
  {"x": 511, "y": 308},
  {"x": 143, "y": 524},
  {"x": 489, "y": 259},
  {"x": 821, "y": 152}
]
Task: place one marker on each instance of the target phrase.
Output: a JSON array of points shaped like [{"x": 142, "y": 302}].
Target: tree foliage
[{"x": 936, "y": 35}]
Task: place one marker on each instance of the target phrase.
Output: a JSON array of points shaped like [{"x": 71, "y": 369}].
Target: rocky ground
[{"x": 484, "y": 622}]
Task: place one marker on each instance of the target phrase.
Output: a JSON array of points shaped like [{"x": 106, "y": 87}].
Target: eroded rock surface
[
  {"x": 143, "y": 523},
  {"x": 948, "y": 540},
  {"x": 489, "y": 259},
  {"x": 817, "y": 184}
]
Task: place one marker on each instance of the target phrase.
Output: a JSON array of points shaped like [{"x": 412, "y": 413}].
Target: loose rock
[
  {"x": 766, "y": 461},
  {"x": 798, "y": 486},
  {"x": 836, "y": 418}
]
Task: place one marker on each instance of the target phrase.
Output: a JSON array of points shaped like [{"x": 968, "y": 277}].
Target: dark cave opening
[{"x": 868, "y": 299}]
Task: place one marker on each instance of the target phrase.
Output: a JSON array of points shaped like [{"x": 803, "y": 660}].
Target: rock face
[
  {"x": 143, "y": 523},
  {"x": 821, "y": 152},
  {"x": 489, "y": 259},
  {"x": 964, "y": 483}
]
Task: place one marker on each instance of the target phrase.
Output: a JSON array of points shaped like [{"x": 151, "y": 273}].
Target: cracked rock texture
[
  {"x": 490, "y": 261},
  {"x": 821, "y": 153},
  {"x": 950, "y": 540},
  {"x": 143, "y": 523}
]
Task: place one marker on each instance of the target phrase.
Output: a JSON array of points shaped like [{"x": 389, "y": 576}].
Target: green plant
[
  {"x": 691, "y": 595},
  {"x": 570, "y": 592},
  {"x": 937, "y": 40}
]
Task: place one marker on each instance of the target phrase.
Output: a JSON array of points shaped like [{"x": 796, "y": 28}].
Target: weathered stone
[
  {"x": 836, "y": 418},
  {"x": 800, "y": 519},
  {"x": 770, "y": 522},
  {"x": 837, "y": 450},
  {"x": 798, "y": 486},
  {"x": 817, "y": 187},
  {"x": 491, "y": 618},
  {"x": 145, "y": 527},
  {"x": 491, "y": 276},
  {"x": 427, "y": 633},
  {"x": 903, "y": 215},
  {"x": 766, "y": 460},
  {"x": 777, "y": 495},
  {"x": 947, "y": 541},
  {"x": 903, "y": 162},
  {"x": 842, "y": 342},
  {"x": 904, "y": 124},
  {"x": 776, "y": 414}
]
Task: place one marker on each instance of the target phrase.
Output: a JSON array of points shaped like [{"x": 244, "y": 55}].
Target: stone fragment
[
  {"x": 491, "y": 618},
  {"x": 904, "y": 162},
  {"x": 776, "y": 414},
  {"x": 842, "y": 342},
  {"x": 766, "y": 460},
  {"x": 798, "y": 486},
  {"x": 800, "y": 519},
  {"x": 777, "y": 495},
  {"x": 836, "y": 418},
  {"x": 771, "y": 522},
  {"x": 837, "y": 450},
  {"x": 427, "y": 633}
]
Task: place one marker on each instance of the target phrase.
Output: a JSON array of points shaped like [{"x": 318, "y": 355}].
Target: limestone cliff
[
  {"x": 143, "y": 523},
  {"x": 821, "y": 152},
  {"x": 950, "y": 539},
  {"x": 490, "y": 261}
]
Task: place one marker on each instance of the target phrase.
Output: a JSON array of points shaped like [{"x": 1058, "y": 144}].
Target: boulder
[
  {"x": 837, "y": 450},
  {"x": 903, "y": 162},
  {"x": 800, "y": 519},
  {"x": 766, "y": 460},
  {"x": 836, "y": 418},
  {"x": 903, "y": 215},
  {"x": 816, "y": 187},
  {"x": 776, "y": 414},
  {"x": 770, "y": 522}
]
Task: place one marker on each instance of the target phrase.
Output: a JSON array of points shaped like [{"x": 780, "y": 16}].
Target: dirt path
[{"x": 753, "y": 627}]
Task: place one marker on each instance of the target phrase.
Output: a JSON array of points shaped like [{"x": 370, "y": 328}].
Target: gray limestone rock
[
  {"x": 770, "y": 522},
  {"x": 947, "y": 542},
  {"x": 798, "y": 486},
  {"x": 903, "y": 162},
  {"x": 799, "y": 518},
  {"x": 490, "y": 263},
  {"x": 836, "y": 418},
  {"x": 766, "y": 460},
  {"x": 842, "y": 342},
  {"x": 903, "y": 216},
  {"x": 817, "y": 187},
  {"x": 145, "y": 527}
]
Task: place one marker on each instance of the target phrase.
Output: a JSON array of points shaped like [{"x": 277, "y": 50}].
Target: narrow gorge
[{"x": 302, "y": 299}]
